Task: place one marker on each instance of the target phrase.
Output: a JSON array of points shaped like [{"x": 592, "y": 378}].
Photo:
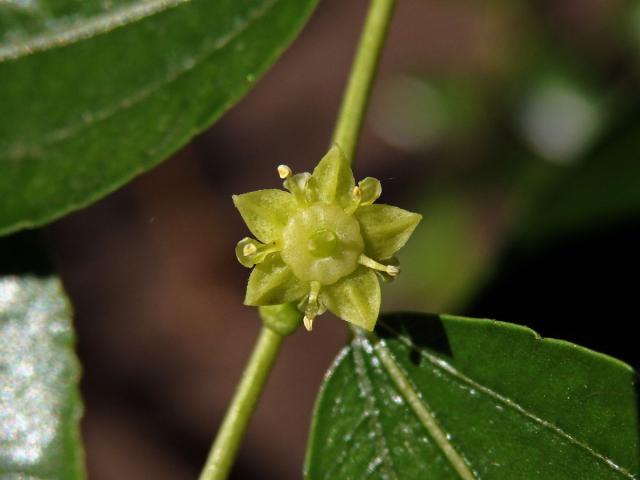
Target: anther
[
  {"x": 249, "y": 249},
  {"x": 357, "y": 192},
  {"x": 284, "y": 172},
  {"x": 308, "y": 322},
  {"x": 391, "y": 270}
]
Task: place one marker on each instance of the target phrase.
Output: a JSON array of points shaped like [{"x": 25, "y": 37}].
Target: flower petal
[
  {"x": 355, "y": 298},
  {"x": 272, "y": 283},
  {"x": 370, "y": 189},
  {"x": 266, "y": 212},
  {"x": 332, "y": 180},
  {"x": 385, "y": 229}
]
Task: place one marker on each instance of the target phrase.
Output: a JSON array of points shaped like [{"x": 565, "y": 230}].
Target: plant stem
[
  {"x": 282, "y": 320},
  {"x": 356, "y": 97},
  {"x": 244, "y": 401}
]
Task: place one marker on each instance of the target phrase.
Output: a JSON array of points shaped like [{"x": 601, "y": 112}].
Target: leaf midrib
[
  {"x": 369, "y": 398},
  {"x": 87, "y": 27},
  {"x": 423, "y": 412},
  {"x": 448, "y": 368},
  {"x": 19, "y": 149}
]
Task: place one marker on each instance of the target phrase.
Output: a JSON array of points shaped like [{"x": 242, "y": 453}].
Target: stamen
[
  {"x": 284, "y": 172},
  {"x": 297, "y": 185},
  {"x": 370, "y": 190},
  {"x": 251, "y": 252},
  {"x": 313, "y": 309},
  {"x": 391, "y": 270},
  {"x": 314, "y": 292}
]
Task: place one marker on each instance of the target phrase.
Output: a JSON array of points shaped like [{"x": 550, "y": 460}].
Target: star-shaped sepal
[{"x": 323, "y": 243}]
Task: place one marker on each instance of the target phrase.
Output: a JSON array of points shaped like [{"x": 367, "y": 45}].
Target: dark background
[{"x": 513, "y": 228}]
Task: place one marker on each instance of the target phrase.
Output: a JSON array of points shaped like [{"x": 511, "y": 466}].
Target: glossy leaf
[
  {"x": 96, "y": 92},
  {"x": 40, "y": 406},
  {"x": 450, "y": 397}
]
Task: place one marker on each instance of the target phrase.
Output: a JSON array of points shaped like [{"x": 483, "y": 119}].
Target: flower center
[{"x": 322, "y": 243}]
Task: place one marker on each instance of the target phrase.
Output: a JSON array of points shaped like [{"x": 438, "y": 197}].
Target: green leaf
[
  {"x": 40, "y": 405},
  {"x": 385, "y": 228},
  {"x": 95, "y": 92},
  {"x": 355, "y": 298},
  {"x": 444, "y": 397},
  {"x": 272, "y": 283},
  {"x": 266, "y": 212},
  {"x": 447, "y": 256},
  {"x": 599, "y": 190}
]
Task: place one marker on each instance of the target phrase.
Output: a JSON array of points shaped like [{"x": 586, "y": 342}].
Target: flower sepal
[{"x": 323, "y": 243}]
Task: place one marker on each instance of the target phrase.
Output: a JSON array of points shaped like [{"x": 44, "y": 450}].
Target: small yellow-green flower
[{"x": 323, "y": 243}]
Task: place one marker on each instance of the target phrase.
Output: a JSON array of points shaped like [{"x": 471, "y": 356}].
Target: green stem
[
  {"x": 282, "y": 320},
  {"x": 244, "y": 401},
  {"x": 356, "y": 97}
]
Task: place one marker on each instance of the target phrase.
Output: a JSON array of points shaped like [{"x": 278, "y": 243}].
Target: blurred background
[{"x": 512, "y": 126}]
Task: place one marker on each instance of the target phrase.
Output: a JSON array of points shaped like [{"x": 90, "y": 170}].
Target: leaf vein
[
  {"x": 20, "y": 150},
  {"x": 337, "y": 466},
  {"x": 86, "y": 28},
  {"x": 448, "y": 368},
  {"x": 423, "y": 412},
  {"x": 368, "y": 393}
]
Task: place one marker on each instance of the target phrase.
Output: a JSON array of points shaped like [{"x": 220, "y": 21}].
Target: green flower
[{"x": 322, "y": 243}]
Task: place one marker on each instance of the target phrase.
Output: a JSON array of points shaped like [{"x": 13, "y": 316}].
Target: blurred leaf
[
  {"x": 558, "y": 119},
  {"x": 603, "y": 188},
  {"x": 94, "y": 94},
  {"x": 449, "y": 397},
  {"x": 40, "y": 405},
  {"x": 413, "y": 114},
  {"x": 450, "y": 252}
]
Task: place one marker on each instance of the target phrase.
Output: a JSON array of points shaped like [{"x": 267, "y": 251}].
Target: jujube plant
[
  {"x": 323, "y": 242},
  {"x": 93, "y": 96}
]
